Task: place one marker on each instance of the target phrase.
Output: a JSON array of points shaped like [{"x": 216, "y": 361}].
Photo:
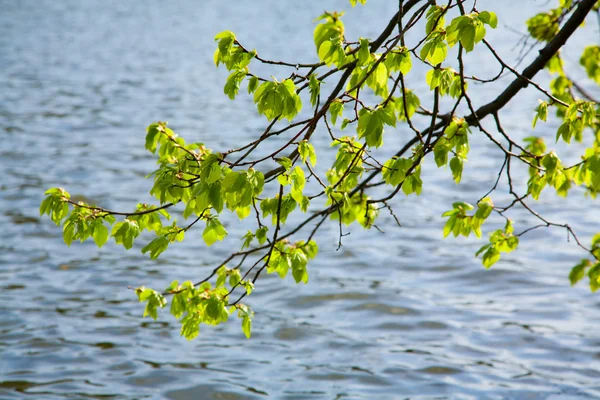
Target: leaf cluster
[{"x": 372, "y": 100}]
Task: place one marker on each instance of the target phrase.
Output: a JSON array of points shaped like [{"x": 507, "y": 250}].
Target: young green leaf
[
  {"x": 307, "y": 152},
  {"x": 100, "y": 232},
  {"x": 214, "y": 231},
  {"x": 314, "y": 87},
  {"x": 336, "y": 109},
  {"x": 156, "y": 246},
  {"x": 541, "y": 112},
  {"x": 125, "y": 232}
]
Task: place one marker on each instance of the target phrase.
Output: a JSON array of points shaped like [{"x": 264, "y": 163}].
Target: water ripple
[{"x": 401, "y": 315}]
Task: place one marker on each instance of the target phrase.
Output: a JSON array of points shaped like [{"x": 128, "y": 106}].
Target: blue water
[{"x": 403, "y": 314}]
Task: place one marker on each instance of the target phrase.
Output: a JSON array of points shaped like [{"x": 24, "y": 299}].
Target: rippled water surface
[{"x": 397, "y": 315}]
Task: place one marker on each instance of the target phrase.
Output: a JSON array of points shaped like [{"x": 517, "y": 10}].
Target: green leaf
[
  {"x": 413, "y": 183},
  {"x": 55, "y": 205},
  {"x": 399, "y": 60},
  {"x": 225, "y": 35},
  {"x": 491, "y": 256},
  {"x": 370, "y": 124},
  {"x": 578, "y": 271},
  {"x": 449, "y": 226},
  {"x": 378, "y": 80},
  {"x": 353, "y": 2},
  {"x": 261, "y": 234},
  {"x": 461, "y": 205},
  {"x": 433, "y": 78},
  {"x": 46, "y": 205},
  {"x": 68, "y": 232},
  {"x": 291, "y": 101},
  {"x": 214, "y": 173},
  {"x": 299, "y": 260},
  {"x": 489, "y": 18},
  {"x": 151, "y": 137},
  {"x": 247, "y": 326},
  {"x": 100, "y": 233},
  {"x": 314, "y": 86},
  {"x": 440, "y": 152},
  {"x": 234, "y": 277},
  {"x": 214, "y": 231},
  {"x": 552, "y": 163},
  {"x": 232, "y": 85},
  {"x": 594, "y": 276},
  {"x": 544, "y": 26},
  {"x": 555, "y": 65},
  {"x": 442, "y": 78},
  {"x": 248, "y": 285},
  {"x": 541, "y": 112},
  {"x": 332, "y": 53},
  {"x": 435, "y": 49},
  {"x": 179, "y": 304},
  {"x": 435, "y": 18},
  {"x": 298, "y": 180},
  {"x": 336, "y": 109},
  {"x": 221, "y": 277},
  {"x": 229, "y": 182},
  {"x": 332, "y": 29},
  {"x": 190, "y": 326},
  {"x": 125, "y": 232},
  {"x": 230, "y": 53},
  {"x": 467, "y": 38},
  {"x": 482, "y": 249},
  {"x": 394, "y": 170},
  {"x": 284, "y": 162},
  {"x": 364, "y": 51},
  {"x": 469, "y": 29},
  {"x": 153, "y": 301},
  {"x": 252, "y": 84},
  {"x": 216, "y": 197},
  {"x": 307, "y": 152},
  {"x": 156, "y": 246},
  {"x": 590, "y": 60},
  {"x": 535, "y": 185},
  {"x": 508, "y": 227},
  {"x": 243, "y": 212},
  {"x": 214, "y": 309},
  {"x": 283, "y": 265},
  {"x": 484, "y": 208},
  {"x": 409, "y": 102},
  {"x": 456, "y": 165}
]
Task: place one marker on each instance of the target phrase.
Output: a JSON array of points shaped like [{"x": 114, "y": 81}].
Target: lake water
[{"x": 398, "y": 315}]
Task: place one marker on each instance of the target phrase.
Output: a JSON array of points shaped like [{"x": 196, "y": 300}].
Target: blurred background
[{"x": 403, "y": 314}]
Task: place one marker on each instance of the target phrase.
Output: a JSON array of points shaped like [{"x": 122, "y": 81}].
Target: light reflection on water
[{"x": 394, "y": 316}]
